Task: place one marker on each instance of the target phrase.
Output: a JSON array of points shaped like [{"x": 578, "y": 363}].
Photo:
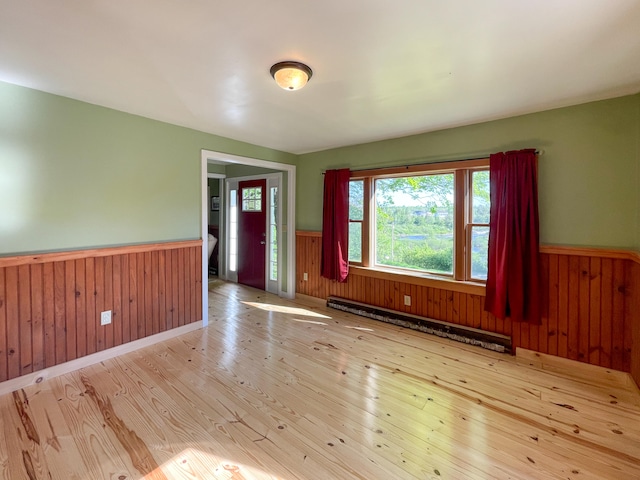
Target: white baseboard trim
[{"x": 57, "y": 370}]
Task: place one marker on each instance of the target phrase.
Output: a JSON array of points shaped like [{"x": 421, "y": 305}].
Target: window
[
  {"x": 252, "y": 199},
  {"x": 478, "y": 226},
  {"x": 233, "y": 230},
  {"x": 356, "y": 219},
  {"x": 429, "y": 218},
  {"x": 273, "y": 234}
]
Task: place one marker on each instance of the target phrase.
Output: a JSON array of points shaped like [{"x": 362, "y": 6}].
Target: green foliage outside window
[
  {"x": 356, "y": 212},
  {"x": 415, "y": 222},
  {"x": 480, "y": 211}
]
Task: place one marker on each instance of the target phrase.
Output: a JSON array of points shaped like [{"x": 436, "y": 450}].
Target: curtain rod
[{"x": 539, "y": 152}]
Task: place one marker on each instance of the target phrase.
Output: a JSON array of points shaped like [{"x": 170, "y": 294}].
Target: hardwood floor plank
[
  {"x": 96, "y": 446},
  {"x": 25, "y": 451},
  {"x": 56, "y": 438},
  {"x": 5, "y": 458}
]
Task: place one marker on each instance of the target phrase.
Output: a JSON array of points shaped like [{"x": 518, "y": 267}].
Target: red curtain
[
  {"x": 513, "y": 278},
  {"x": 335, "y": 225}
]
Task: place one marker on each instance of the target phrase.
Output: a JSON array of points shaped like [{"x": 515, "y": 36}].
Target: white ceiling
[{"x": 382, "y": 68}]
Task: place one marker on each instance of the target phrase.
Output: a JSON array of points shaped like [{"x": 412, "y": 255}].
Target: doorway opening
[
  {"x": 279, "y": 227},
  {"x": 215, "y": 229}
]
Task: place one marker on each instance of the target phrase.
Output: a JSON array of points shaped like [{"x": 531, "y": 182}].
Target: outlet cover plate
[{"x": 105, "y": 317}]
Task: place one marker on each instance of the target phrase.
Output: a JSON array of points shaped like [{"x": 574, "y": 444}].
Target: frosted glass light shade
[{"x": 291, "y": 75}]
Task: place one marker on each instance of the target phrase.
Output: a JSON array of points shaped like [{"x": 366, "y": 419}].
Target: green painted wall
[
  {"x": 235, "y": 170},
  {"x": 215, "y": 168},
  {"x": 75, "y": 175},
  {"x": 588, "y": 175}
]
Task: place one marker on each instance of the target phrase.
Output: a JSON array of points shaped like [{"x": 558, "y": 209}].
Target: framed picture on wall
[{"x": 215, "y": 204}]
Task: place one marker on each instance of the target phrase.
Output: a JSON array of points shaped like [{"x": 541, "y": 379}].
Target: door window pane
[{"x": 252, "y": 199}]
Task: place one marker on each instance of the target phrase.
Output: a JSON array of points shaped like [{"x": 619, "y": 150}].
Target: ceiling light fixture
[{"x": 291, "y": 75}]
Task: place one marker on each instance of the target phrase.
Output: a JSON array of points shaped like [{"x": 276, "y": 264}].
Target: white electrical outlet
[
  {"x": 407, "y": 300},
  {"x": 105, "y": 318},
  {"x": 305, "y": 276}
]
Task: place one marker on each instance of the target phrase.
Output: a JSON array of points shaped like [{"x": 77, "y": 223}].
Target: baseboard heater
[{"x": 469, "y": 335}]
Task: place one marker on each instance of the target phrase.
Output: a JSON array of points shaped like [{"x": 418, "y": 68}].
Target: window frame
[
  {"x": 470, "y": 223},
  {"x": 364, "y": 222},
  {"x": 462, "y": 171}
]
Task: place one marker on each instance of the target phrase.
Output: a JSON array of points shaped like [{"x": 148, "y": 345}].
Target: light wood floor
[{"x": 279, "y": 389}]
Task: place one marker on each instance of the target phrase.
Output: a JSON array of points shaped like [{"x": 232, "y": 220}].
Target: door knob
[{"x": 263, "y": 242}]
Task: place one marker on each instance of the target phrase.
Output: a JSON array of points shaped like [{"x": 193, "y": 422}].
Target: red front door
[{"x": 252, "y": 235}]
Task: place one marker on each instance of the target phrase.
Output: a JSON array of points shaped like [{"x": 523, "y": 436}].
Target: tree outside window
[{"x": 434, "y": 221}]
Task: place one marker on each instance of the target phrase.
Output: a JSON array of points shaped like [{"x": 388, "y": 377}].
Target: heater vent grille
[{"x": 471, "y": 336}]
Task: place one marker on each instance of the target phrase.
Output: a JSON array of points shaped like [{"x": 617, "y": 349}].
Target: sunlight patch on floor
[
  {"x": 362, "y": 329},
  {"x": 309, "y": 321},
  {"x": 282, "y": 309},
  {"x": 196, "y": 464}
]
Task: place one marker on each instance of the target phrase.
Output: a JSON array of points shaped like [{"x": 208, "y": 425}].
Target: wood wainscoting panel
[
  {"x": 50, "y": 304},
  {"x": 589, "y": 302}
]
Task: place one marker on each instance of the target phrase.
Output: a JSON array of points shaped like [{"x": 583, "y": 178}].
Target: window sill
[{"x": 422, "y": 279}]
